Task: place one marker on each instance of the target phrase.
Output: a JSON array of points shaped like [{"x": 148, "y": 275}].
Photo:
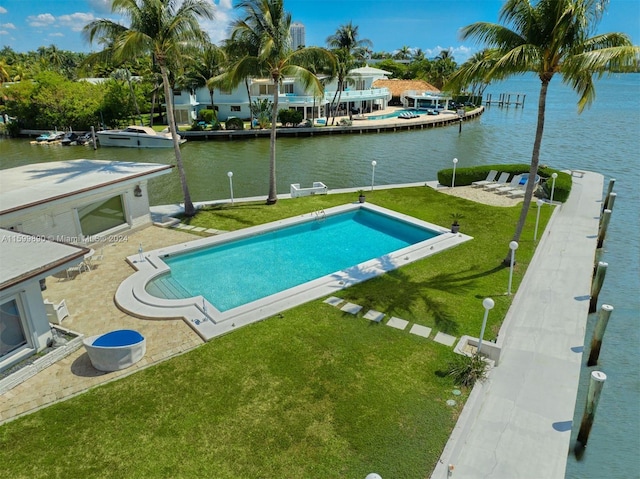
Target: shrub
[
  {"x": 292, "y": 117},
  {"x": 466, "y": 176},
  {"x": 466, "y": 370},
  {"x": 208, "y": 116},
  {"x": 234, "y": 123}
]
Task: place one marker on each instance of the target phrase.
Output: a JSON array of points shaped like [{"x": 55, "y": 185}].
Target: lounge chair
[
  {"x": 501, "y": 181},
  {"x": 514, "y": 184},
  {"x": 56, "y": 312},
  {"x": 77, "y": 269},
  {"x": 491, "y": 177}
]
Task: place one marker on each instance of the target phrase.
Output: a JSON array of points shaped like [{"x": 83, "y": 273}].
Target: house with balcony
[{"x": 359, "y": 94}]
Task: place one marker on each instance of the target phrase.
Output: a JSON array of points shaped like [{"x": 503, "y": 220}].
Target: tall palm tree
[
  {"x": 267, "y": 23},
  {"x": 547, "y": 37},
  {"x": 162, "y": 29},
  {"x": 349, "y": 51}
]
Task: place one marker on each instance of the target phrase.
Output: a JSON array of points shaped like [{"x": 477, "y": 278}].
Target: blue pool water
[
  {"x": 395, "y": 114},
  {"x": 235, "y": 273}
]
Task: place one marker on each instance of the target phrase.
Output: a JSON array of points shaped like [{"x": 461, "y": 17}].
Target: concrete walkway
[{"x": 517, "y": 425}]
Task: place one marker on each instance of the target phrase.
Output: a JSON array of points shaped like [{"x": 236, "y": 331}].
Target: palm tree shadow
[{"x": 414, "y": 292}]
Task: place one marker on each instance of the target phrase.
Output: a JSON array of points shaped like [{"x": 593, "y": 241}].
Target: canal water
[{"x": 605, "y": 139}]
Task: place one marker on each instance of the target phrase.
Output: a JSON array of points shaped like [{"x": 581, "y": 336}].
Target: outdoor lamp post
[
  {"x": 535, "y": 233},
  {"x": 230, "y": 175},
  {"x": 553, "y": 185},
  {"x": 373, "y": 172},
  {"x": 453, "y": 179},
  {"x": 488, "y": 304},
  {"x": 513, "y": 246}
]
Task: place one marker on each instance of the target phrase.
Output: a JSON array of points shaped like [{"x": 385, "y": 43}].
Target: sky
[{"x": 431, "y": 25}]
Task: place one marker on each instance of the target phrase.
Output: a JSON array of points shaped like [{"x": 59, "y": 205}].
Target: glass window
[
  {"x": 235, "y": 108},
  {"x": 11, "y": 331},
  {"x": 101, "y": 216}
]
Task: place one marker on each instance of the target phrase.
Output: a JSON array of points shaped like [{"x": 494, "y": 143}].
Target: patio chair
[
  {"x": 56, "y": 312},
  {"x": 501, "y": 181},
  {"x": 77, "y": 269},
  {"x": 491, "y": 177},
  {"x": 516, "y": 182}
]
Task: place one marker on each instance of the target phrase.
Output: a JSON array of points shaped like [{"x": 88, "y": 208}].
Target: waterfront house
[
  {"x": 26, "y": 261},
  {"x": 360, "y": 93},
  {"x": 77, "y": 201}
]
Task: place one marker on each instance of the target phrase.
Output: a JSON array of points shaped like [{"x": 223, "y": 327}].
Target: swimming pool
[
  {"x": 238, "y": 272},
  {"x": 395, "y": 114},
  {"x": 223, "y": 282}
]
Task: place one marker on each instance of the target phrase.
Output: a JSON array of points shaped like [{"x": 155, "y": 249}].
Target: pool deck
[{"x": 515, "y": 425}]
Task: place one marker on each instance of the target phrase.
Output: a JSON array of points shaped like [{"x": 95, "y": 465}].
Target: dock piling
[
  {"x": 598, "y": 334},
  {"x": 593, "y": 396},
  {"x": 596, "y": 285},
  {"x": 604, "y": 224}
]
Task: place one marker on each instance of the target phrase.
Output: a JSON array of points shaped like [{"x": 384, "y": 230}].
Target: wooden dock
[{"x": 506, "y": 99}]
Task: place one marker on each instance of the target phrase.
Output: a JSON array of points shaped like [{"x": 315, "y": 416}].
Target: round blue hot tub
[{"x": 120, "y": 337}]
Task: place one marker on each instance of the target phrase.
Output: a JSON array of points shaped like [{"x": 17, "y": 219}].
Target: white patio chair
[
  {"x": 501, "y": 181},
  {"x": 491, "y": 177},
  {"x": 56, "y": 312},
  {"x": 514, "y": 184}
]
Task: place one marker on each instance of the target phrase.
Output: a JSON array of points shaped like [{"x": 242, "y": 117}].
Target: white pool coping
[{"x": 209, "y": 322}]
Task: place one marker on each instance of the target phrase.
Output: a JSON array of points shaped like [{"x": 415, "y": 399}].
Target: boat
[
  {"x": 45, "y": 137},
  {"x": 136, "y": 137}
]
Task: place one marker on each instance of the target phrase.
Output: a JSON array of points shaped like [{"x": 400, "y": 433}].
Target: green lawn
[{"x": 311, "y": 393}]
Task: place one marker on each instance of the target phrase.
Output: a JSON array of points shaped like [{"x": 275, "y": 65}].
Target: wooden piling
[
  {"x": 604, "y": 224},
  {"x": 593, "y": 396},
  {"x": 612, "y": 182},
  {"x": 93, "y": 138},
  {"x": 611, "y": 199},
  {"x": 598, "y": 333},
  {"x": 596, "y": 285}
]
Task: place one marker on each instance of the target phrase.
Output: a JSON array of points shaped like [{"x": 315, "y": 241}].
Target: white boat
[{"x": 136, "y": 137}]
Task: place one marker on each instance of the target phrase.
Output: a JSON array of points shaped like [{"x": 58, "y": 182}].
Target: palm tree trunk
[
  {"x": 246, "y": 84},
  {"x": 189, "y": 210},
  {"x": 533, "y": 170},
  {"x": 332, "y": 110},
  {"x": 273, "y": 195}
]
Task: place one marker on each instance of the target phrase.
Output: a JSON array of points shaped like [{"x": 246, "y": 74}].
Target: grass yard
[{"x": 310, "y": 393}]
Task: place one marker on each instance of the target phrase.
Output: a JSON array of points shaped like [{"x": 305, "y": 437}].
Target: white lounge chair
[
  {"x": 77, "y": 269},
  {"x": 56, "y": 312},
  {"x": 491, "y": 177},
  {"x": 514, "y": 184},
  {"x": 501, "y": 181}
]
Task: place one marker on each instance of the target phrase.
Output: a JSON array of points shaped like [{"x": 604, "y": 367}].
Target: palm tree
[
  {"x": 403, "y": 53},
  {"x": 162, "y": 29},
  {"x": 267, "y": 23},
  {"x": 547, "y": 37},
  {"x": 348, "y": 51}
]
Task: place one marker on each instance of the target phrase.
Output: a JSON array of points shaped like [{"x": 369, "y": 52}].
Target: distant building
[{"x": 297, "y": 35}]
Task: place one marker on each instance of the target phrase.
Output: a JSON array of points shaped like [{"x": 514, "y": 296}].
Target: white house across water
[{"x": 359, "y": 93}]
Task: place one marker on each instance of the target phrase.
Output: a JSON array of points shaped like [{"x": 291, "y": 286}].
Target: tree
[
  {"x": 348, "y": 51},
  {"x": 163, "y": 29},
  {"x": 547, "y": 37},
  {"x": 267, "y": 24}
]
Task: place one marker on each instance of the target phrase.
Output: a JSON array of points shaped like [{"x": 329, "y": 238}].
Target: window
[
  {"x": 177, "y": 92},
  {"x": 287, "y": 88},
  {"x": 11, "y": 331},
  {"x": 235, "y": 108},
  {"x": 266, "y": 89},
  {"x": 101, "y": 216}
]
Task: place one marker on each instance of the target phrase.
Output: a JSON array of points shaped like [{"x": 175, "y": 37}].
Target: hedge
[{"x": 466, "y": 176}]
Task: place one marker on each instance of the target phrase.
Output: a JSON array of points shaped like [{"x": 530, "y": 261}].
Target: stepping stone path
[
  {"x": 419, "y": 330},
  {"x": 351, "y": 308},
  {"x": 445, "y": 339},
  {"x": 397, "y": 323},
  {"x": 373, "y": 315}
]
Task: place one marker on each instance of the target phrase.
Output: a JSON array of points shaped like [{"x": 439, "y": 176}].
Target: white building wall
[{"x": 58, "y": 220}]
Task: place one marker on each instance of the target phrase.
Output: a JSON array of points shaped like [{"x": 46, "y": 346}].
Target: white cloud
[
  {"x": 4, "y": 32},
  {"x": 56, "y": 34},
  {"x": 42, "y": 20},
  {"x": 100, "y": 6},
  {"x": 10, "y": 26},
  {"x": 3, "y": 10},
  {"x": 75, "y": 21},
  {"x": 218, "y": 28}
]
